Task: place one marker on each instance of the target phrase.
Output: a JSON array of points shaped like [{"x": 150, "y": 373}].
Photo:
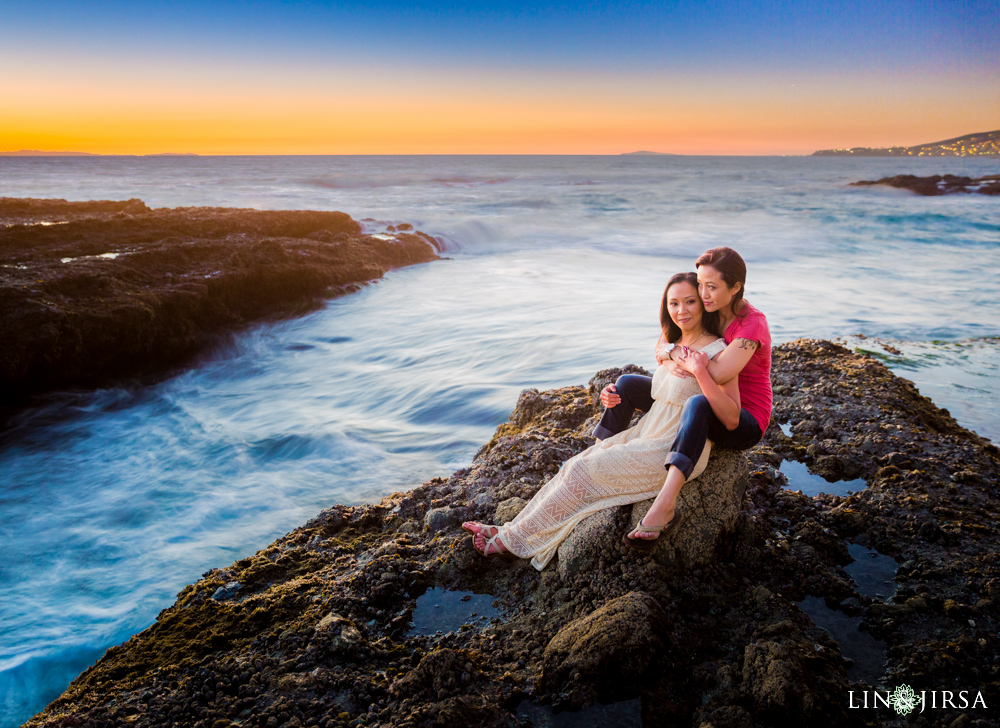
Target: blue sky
[
  {"x": 853, "y": 35},
  {"x": 936, "y": 62}
]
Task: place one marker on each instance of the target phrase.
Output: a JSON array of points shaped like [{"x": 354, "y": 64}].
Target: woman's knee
[
  {"x": 697, "y": 406},
  {"x": 633, "y": 388},
  {"x": 627, "y": 381}
]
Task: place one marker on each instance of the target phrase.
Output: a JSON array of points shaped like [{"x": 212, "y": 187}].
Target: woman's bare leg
[{"x": 662, "y": 510}]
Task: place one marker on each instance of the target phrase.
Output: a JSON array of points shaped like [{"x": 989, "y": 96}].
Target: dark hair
[
  {"x": 709, "y": 319},
  {"x": 732, "y": 268}
]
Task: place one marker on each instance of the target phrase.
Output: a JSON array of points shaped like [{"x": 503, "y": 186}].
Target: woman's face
[
  {"x": 715, "y": 294},
  {"x": 684, "y": 306}
]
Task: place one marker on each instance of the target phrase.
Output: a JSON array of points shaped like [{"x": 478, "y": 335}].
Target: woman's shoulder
[
  {"x": 749, "y": 323},
  {"x": 749, "y": 312},
  {"x": 714, "y": 346}
]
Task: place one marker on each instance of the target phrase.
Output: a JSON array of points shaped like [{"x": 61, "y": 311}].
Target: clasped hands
[
  {"x": 681, "y": 361},
  {"x": 685, "y": 362}
]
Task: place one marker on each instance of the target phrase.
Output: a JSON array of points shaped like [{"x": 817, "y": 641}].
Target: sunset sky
[{"x": 491, "y": 77}]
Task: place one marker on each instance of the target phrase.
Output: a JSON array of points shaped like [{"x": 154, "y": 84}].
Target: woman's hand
[
  {"x": 662, "y": 350},
  {"x": 694, "y": 361},
  {"x": 724, "y": 399},
  {"x": 673, "y": 363},
  {"x": 610, "y": 397}
]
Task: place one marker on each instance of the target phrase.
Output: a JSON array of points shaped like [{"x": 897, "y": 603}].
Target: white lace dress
[{"x": 625, "y": 468}]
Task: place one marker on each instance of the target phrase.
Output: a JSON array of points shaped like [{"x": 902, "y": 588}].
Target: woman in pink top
[{"x": 721, "y": 280}]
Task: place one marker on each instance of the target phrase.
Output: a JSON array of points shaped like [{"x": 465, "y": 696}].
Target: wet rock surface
[
  {"x": 316, "y": 632},
  {"x": 938, "y": 184},
  {"x": 92, "y": 291}
]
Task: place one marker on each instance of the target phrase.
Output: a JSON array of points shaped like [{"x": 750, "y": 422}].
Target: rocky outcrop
[
  {"x": 597, "y": 534},
  {"x": 92, "y": 291},
  {"x": 314, "y": 629},
  {"x": 709, "y": 508},
  {"x": 606, "y": 652},
  {"x": 938, "y": 184},
  {"x": 508, "y": 510}
]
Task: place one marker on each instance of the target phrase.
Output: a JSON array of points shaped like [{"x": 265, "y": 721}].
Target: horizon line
[
  {"x": 637, "y": 153},
  {"x": 64, "y": 155}
]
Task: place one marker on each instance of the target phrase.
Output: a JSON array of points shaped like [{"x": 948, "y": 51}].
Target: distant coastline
[
  {"x": 980, "y": 144},
  {"x": 39, "y": 153},
  {"x": 985, "y": 144}
]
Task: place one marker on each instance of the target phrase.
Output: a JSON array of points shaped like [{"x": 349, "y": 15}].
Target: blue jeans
[
  {"x": 698, "y": 423},
  {"x": 636, "y": 393}
]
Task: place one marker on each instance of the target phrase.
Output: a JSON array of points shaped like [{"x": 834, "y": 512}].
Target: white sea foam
[{"x": 108, "y": 256}]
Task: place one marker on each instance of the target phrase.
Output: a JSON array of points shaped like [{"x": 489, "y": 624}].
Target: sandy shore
[{"x": 315, "y": 629}]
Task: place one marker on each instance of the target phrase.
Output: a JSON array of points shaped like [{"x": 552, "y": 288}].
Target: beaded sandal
[{"x": 493, "y": 543}]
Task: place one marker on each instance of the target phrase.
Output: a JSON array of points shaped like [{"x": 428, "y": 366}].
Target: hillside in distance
[
  {"x": 648, "y": 154},
  {"x": 39, "y": 153},
  {"x": 981, "y": 144}
]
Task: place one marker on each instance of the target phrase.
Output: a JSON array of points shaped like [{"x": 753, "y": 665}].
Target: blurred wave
[{"x": 963, "y": 376}]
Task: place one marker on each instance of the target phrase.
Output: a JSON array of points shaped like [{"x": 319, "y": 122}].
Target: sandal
[
  {"x": 647, "y": 544},
  {"x": 493, "y": 543}
]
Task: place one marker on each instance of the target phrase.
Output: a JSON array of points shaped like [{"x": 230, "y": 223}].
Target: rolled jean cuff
[
  {"x": 601, "y": 432},
  {"x": 681, "y": 461}
]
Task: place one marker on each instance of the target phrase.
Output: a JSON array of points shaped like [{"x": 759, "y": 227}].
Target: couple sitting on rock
[{"x": 712, "y": 385}]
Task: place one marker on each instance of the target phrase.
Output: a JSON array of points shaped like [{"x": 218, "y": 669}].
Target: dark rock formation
[
  {"x": 97, "y": 290},
  {"x": 608, "y": 651},
  {"x": 313, "y": 629},
  {"x": 938, "y": 184}
]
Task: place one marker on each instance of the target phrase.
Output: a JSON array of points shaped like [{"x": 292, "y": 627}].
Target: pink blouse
[{"x": 755, "y": 379}]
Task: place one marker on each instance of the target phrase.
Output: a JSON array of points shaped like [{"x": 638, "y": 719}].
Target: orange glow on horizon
[{"x": 465, "y": 114}]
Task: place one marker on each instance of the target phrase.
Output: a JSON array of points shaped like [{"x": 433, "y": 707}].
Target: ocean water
[{"x": 112, "y": 500}]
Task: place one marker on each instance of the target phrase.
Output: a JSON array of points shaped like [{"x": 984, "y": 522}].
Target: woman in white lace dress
[{"x": 627, "y": 467}]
